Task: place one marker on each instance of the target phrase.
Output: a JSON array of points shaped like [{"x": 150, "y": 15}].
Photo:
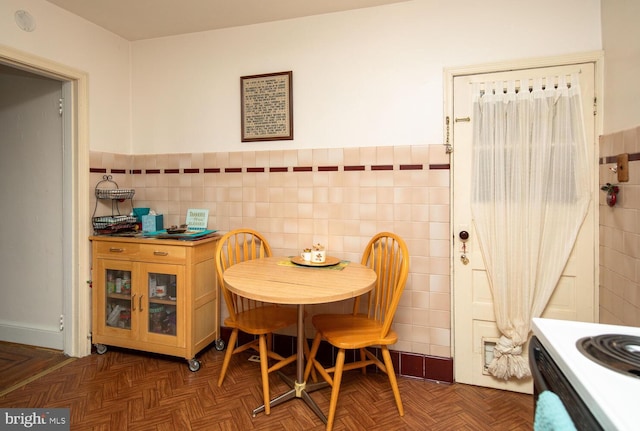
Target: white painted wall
[
  {"x": 621, "y": 42},
  {"x": 367, "y": 77},
  {"x": 361, "y": 78},
  {"x": 74, "y": 42}
]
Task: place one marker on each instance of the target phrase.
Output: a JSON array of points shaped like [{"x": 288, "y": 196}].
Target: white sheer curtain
[{"x": 530, "y": 194}]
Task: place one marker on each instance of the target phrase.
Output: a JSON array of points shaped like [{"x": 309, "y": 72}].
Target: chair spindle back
[
  {"x": 388, "y": 255},
  {"x": 234, "y": 247}
]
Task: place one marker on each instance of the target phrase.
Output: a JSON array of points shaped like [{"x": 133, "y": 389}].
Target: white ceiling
[{"x": 146, "y": 19}]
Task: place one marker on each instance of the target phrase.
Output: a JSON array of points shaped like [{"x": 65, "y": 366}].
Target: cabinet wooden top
[{"x": 143, "y": 240}]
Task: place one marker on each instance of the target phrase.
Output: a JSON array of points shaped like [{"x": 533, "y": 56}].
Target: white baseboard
[{"x": 41, "y": 337}]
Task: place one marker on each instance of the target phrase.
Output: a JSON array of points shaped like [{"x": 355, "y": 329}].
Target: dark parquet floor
[
  {"x": 20, "y": 364},
  {"x": 126, "y": 390}
]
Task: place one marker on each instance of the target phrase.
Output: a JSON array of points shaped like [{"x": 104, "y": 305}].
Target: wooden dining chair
[
  {"x": 370, "y": 323},
  {"x": 250, "y": 316}
]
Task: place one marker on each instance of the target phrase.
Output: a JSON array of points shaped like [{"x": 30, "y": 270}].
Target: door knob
[{"x": 464, "y": 236}]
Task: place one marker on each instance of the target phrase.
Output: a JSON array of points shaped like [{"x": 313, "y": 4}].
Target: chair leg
[
  {"x": 392, "y": 379},
  {"x": 307, "y": 355},
  {"x": 312, "y": 355},
  {"x": 227, "y": 356},
  {"x": 269, "y": 338},
  {"x": 337, "y": 379},
  {"x": 363, "y": 357},
  {"x": 264, "y": 369}
]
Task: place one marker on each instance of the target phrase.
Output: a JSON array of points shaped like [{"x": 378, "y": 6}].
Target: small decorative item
[
  {"x": 612, "y": 193},
  {"x": 318, "y": 255},
  {"x": 306, "y": 254},
  {"x": 197, "y": 219}
]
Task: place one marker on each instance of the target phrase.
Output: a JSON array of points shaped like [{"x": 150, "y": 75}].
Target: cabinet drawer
[
  {"x": 162, "y": 253},
  {"x": 115, "y": 250}
]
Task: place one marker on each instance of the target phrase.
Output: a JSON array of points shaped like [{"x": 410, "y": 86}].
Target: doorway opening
[{"x": 75, "y": 319}]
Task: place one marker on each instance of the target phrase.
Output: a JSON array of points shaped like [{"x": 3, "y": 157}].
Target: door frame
[
  {"x": 76, "y": 229},
  {"x": 596, "y": 57}
]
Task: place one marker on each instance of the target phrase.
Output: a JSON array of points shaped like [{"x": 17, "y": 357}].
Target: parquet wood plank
[
  {"x": 18, "y": 361},
  {"x": 126, "y": 390}
]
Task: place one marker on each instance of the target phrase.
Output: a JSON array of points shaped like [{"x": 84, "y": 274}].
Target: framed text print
[{"x": 267, "y": 107}]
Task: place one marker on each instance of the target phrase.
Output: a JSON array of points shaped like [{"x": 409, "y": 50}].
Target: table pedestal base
[{"x": 298, "y": 390}]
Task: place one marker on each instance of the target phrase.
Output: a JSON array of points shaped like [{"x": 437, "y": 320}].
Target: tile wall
[
  {"x": 338, "y": 197},
  {"x": 620, "y": 232}
]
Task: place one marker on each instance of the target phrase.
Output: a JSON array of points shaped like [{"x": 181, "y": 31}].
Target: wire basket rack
[
  {"x": 117, "y": 194},
  {"x": 113, "y": 224},
  {"x": 116, "y": 222}
]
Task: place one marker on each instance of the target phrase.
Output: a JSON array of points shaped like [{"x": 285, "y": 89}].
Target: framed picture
[{"x": 267, "y": 107}]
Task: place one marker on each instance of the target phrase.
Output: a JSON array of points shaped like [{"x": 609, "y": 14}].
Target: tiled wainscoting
[
  {"x": 620, "y": 232},
  {"x": 405, "y": 364},
  {"x": 338, "y": 197}
]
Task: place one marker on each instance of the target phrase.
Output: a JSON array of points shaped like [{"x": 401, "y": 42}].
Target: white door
[{"x": 475, "y": 329}]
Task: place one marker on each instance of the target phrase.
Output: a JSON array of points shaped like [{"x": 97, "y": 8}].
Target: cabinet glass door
[
  {"x": 162, "y": 303},
  {"x": 118, "y": 298}
]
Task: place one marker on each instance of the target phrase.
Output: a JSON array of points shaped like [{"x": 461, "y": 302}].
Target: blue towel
[{"x": 551, "y": 414}]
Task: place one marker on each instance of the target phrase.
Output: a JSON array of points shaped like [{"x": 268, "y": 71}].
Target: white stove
[{"x": 612, "y": 397}]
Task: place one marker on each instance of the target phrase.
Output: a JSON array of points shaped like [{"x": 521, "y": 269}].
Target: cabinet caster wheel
[
  {"x": 220, "y": 344},
  {"x": 194, "y": 365},
  {"x": 101, "y": 349}
]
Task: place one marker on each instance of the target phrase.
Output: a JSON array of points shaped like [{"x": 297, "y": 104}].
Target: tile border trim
[
  {"x": 280, "y": 169},
  {"x": 633, "y": 157}
]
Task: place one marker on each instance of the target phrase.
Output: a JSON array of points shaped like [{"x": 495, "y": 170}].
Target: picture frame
[{"x": 267, "y": 107}]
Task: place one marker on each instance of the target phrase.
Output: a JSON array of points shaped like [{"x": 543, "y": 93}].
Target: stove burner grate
[{"x": 618, "y": 352}]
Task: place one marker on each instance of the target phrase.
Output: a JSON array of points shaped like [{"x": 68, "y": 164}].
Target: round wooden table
[{"x": 278, "y": 280}]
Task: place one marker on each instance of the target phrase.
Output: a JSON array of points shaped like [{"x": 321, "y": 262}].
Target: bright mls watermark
[{"x": 34, "y": 419}]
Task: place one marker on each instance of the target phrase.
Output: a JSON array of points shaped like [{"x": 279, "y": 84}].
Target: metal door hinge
[{"x": 60, "y": 106}]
